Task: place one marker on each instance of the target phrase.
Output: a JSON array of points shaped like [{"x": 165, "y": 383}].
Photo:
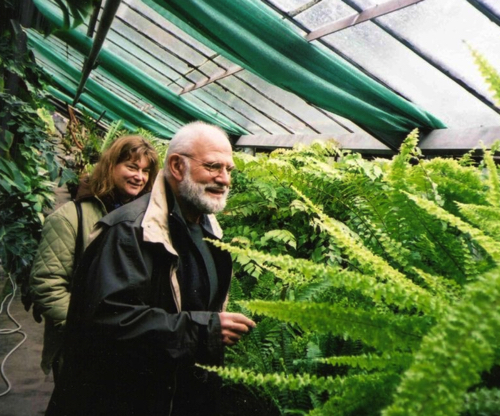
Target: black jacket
[{"x": 129, "y": 343}]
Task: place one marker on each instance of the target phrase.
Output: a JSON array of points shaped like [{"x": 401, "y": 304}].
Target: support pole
[{"x": 107, "y": 17}]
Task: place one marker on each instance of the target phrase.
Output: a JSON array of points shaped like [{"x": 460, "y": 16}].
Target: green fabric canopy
[
  {"x": 97, "y": 99},
  {"x": 130, "y": 78},
  {"x": 253, "y": 36}
]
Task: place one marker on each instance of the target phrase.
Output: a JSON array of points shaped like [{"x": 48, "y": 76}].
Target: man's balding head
[
  {"x": 197, "y": 168},
  {"x": 187, "y": 137}
]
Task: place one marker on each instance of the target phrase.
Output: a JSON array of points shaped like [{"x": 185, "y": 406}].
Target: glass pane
[
  {"x": 139, "y": 7},
  {"x": 289, "y": 5},
  {"x": 307, "y": 119},
  {"x": 155, "y": 39},
  {"x": 438, "y": 27}
]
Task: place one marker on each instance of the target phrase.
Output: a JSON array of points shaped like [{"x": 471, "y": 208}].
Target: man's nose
[{"x": 223, "y": 177}]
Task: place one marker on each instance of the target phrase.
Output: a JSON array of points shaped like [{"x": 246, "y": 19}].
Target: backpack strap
[{"x": 79, "y": 235}]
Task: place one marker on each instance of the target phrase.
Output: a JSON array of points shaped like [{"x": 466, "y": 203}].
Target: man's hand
[{"x": 233, "y": 326}]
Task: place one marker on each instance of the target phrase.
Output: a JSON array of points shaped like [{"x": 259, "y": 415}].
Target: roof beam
[
  {"x": 486, "y": 10},
  {"x": 359, "y": 142},
  {"x": 303, "y": 8},
  {"x": 447, "y": 71},
  {"x": 442, "y": 142},
  {"x": 363, "y": 16},
  {"x": 108, "y": 14},
  {"x": 457, "y": 141},
  {"x": 216, "y": 77}
]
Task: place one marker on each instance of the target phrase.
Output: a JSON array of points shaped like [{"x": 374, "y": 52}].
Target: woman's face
[{"x": 130, "y": 177}]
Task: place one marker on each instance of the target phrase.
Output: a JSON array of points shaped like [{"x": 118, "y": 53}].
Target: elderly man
[{"x": 148, "y": 298}]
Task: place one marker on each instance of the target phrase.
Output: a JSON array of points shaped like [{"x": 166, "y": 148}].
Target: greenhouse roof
[{"x": 273, "y": 73}]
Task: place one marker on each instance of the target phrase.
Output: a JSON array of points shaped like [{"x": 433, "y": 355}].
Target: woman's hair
[{"x": 124, "y": 148}]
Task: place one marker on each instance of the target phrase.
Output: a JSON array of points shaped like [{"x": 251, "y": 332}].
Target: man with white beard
[{"x": 148, "y": 300}]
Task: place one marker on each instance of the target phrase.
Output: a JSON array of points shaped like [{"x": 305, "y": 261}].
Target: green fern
[
  {"x": 113, "y": 132},
  {"x": 393, "y": 331},
  {"x": 371, "y": 361},
  {"x": 453, "y": 354},
  {"x": 380, "y": 256},
  {"x": 487, "y": 243},
  {"x": 491, "y": 76}
]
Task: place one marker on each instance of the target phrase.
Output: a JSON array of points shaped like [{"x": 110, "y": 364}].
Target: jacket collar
[{"x": 155, "y": 222}]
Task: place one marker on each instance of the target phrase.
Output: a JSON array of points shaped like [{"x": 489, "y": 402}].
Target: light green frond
[
  {"x": 371, "y": 361},
  {"x": 281, "y": 381},
  {"x": 487, "y": 243},
  {"x": 453, "y": 355},
  {"x": 493, "y": 180},
  {"x": 447, "y": 290},
  {"x": 482, "y": 216},
  {"x": 400, "y": 293},
  {"x": 360, "y": 395},
  {"x": 384, "y": 331},
  {"x": 400, "y": 164},
  {"x": 368, "y": 262},
  {"x": 491, "y": 76},
  {"x": 283, "y": 236}
]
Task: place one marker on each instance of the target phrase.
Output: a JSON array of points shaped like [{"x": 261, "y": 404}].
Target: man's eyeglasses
[{"x": 215, "y": 168}]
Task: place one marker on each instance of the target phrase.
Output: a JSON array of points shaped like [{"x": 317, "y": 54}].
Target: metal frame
[
  {"x": 443, "y": 142},
  {"x": 363, "y": 16},
  {"x": 448, "y": 72},
  {"x": 486, "y": 10},
  {"x": 108, "y": 14},
  {"x": 359, "y": 142}
]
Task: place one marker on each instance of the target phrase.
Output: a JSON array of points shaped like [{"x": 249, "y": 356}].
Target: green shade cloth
[
  {"x": 253, "y": 36},
  {"x": 97, "y": 98},
  {"x": 130, "y": 78}
]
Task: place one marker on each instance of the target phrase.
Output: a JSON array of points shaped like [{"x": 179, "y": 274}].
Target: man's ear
[{"x": 177, "y": 166}]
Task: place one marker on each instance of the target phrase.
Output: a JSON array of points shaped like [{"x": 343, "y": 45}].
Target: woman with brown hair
[{"x": 124, "y": 172}]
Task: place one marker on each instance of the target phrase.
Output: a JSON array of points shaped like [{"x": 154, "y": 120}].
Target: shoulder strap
[{"x": 79, "y": 235}]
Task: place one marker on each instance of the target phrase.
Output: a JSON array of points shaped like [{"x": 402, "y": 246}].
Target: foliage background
[
  {"x": 375, "y": 283},
  {"x": 28, "y": 164}
]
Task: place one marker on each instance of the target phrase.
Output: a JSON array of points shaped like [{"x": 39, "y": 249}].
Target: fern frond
[
  {"x": 283, "y": 236},
  {"x": 400, "y": 293},
  {"x": 260, "y": 347},
  {"x": 384, "y": 331},
  {"x": 482, "y": 216},
  {"x": 392, "y": 360},
  {"x": 369, "y": 262},
  {"x": 292, "y": 382},
  {"x": 111, "y": 134},
  {"x": 400, "y": 162},
  {"x": 454, "y": 353},
  {"x": 366, "y": 396},
  {"x": 281, "y": 380},
  {"x": 487, "y": 243},
  {"x": 491, "y": 76},
  {"x": 493, "y": 180},
  {"x": 447, "y": 290}
]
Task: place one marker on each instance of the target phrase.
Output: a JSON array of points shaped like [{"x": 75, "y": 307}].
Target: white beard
[{"x": 194, "y": 193}]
